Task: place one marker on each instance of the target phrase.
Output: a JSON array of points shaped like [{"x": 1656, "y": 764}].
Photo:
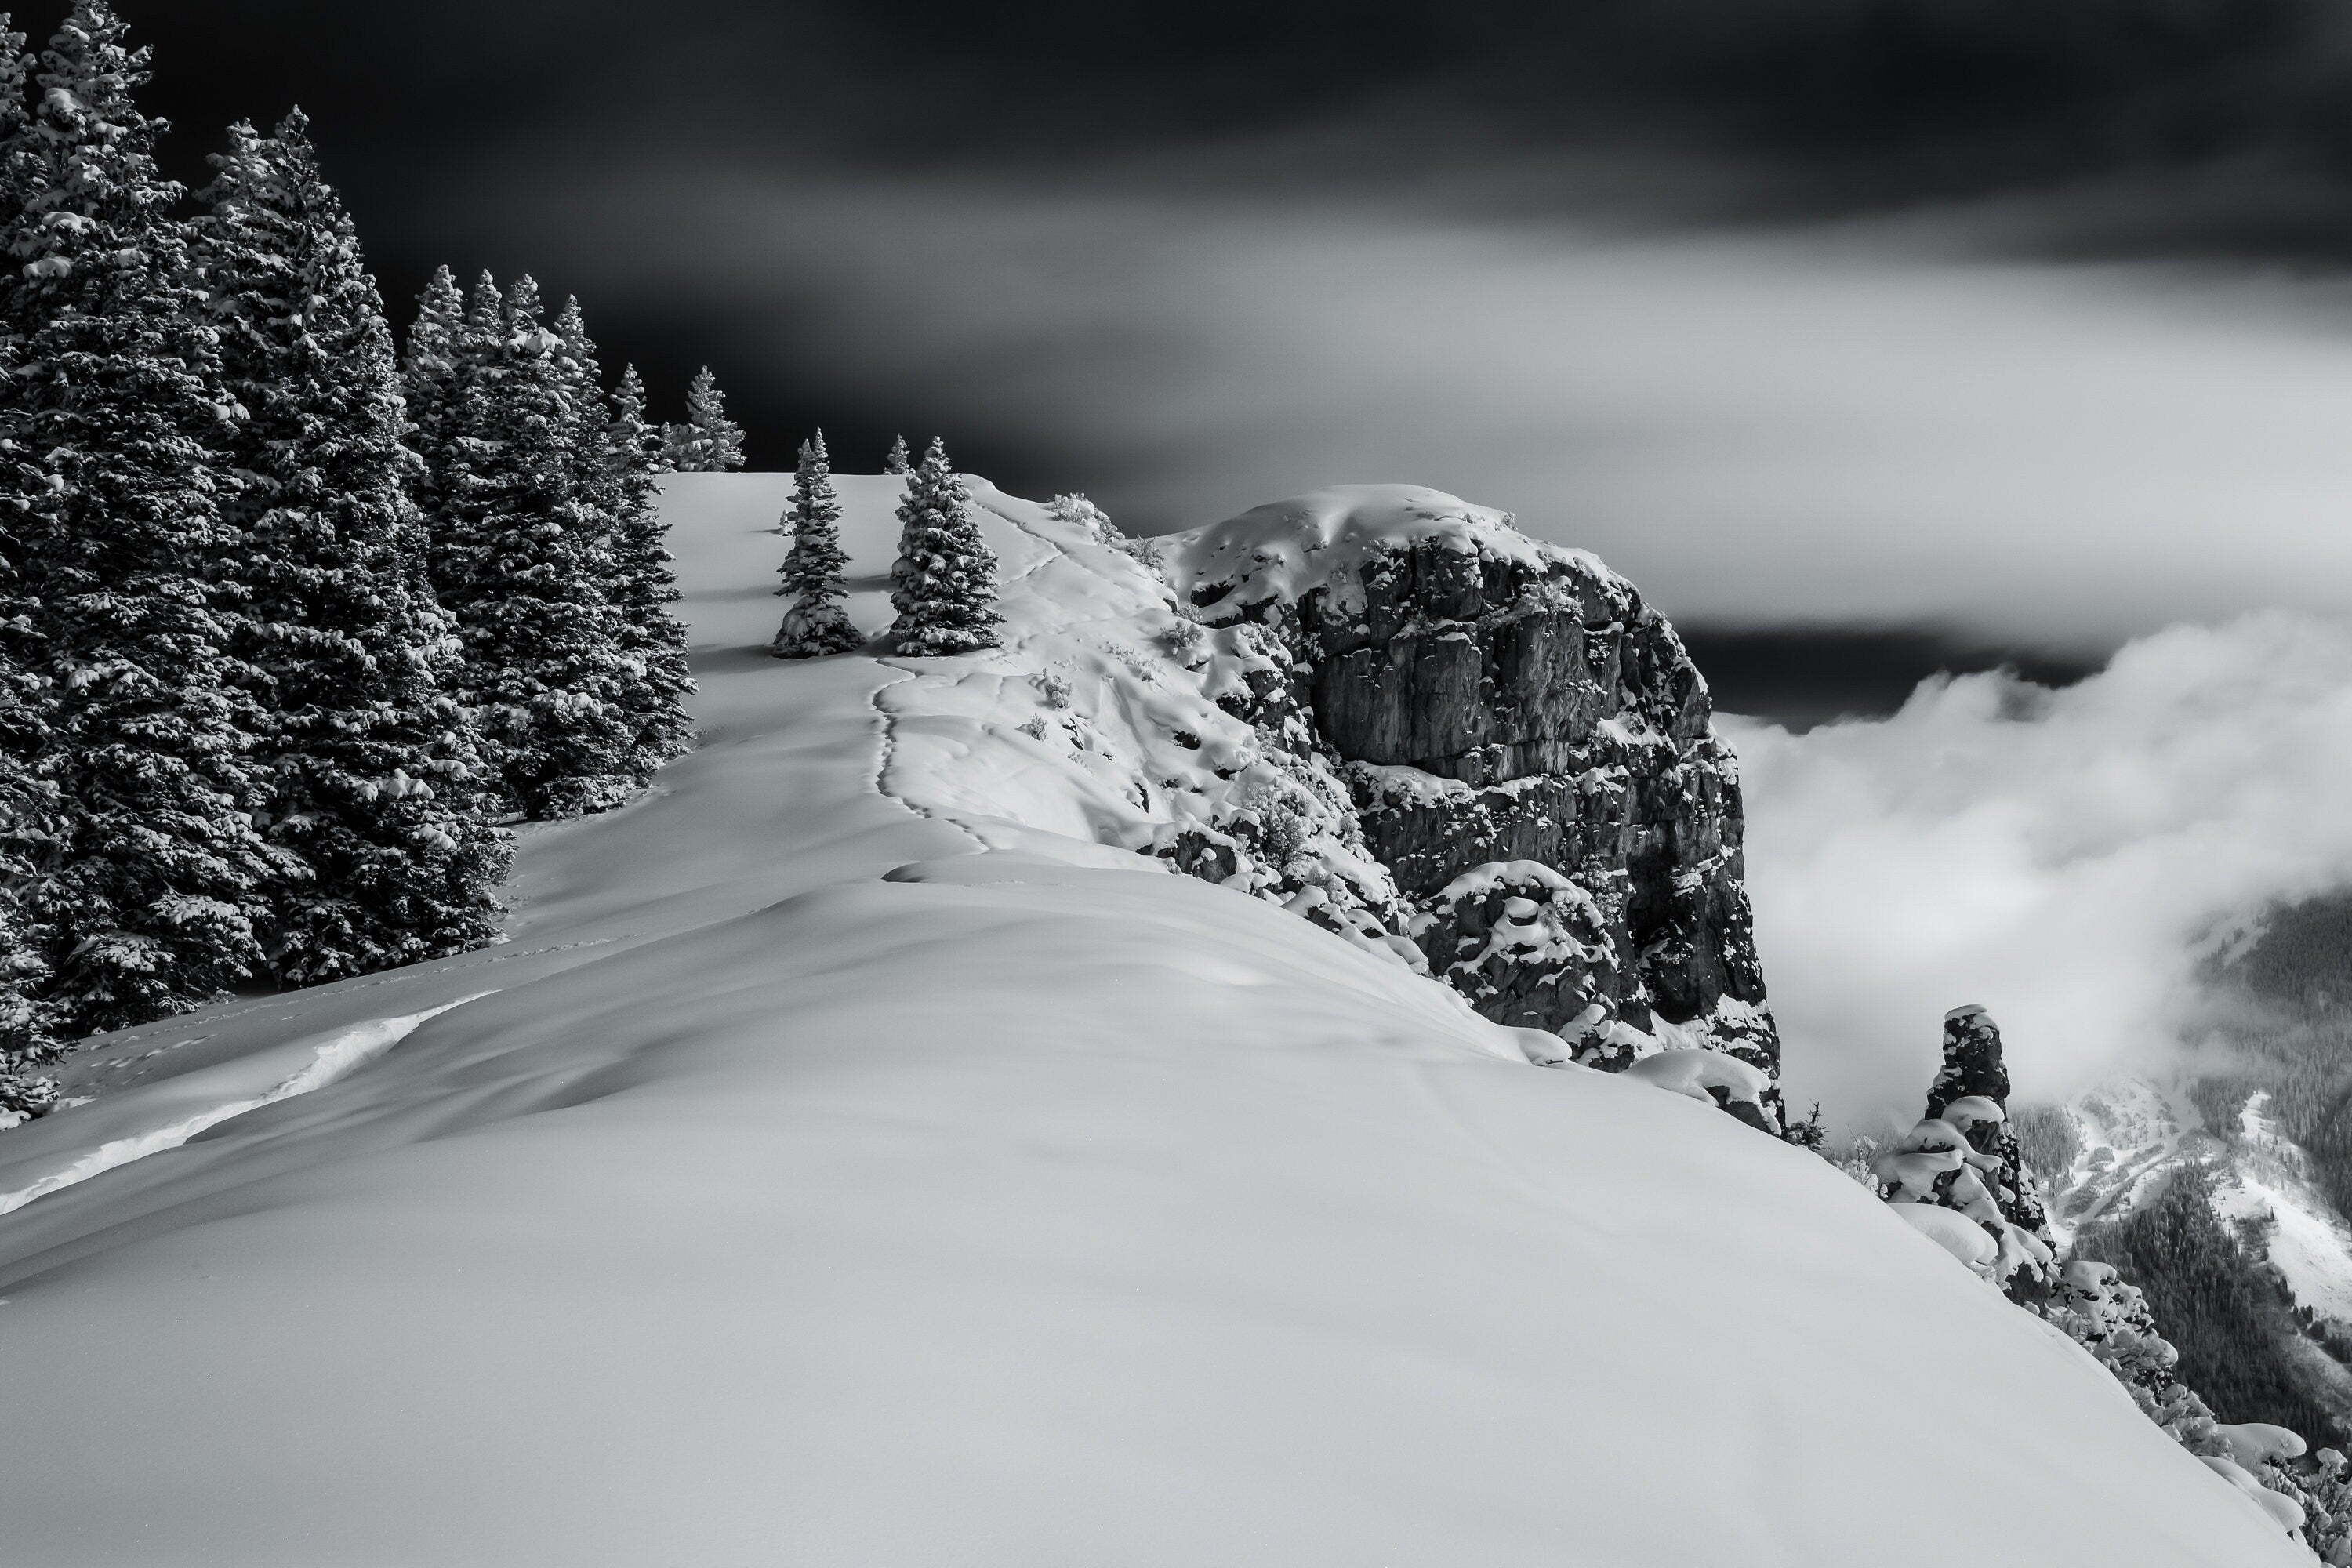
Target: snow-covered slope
[{"x": 858, "y": 1156}]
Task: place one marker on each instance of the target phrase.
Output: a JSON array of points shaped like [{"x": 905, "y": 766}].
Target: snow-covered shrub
[
  {"x": 1286, "y": 832},
  {"x": 1053, "y": 687},
  {"x": 1859, "y": 1160},
  {"x": 1183, "y": 639},
  {"x": 24, "y": 1095},
  {"x": 1807, "y": 1132},
  {"x": 1077, "y": 511}
]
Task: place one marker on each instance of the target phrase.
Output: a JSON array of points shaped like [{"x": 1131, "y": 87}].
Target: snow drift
[{"x": 860, "y": 1155}]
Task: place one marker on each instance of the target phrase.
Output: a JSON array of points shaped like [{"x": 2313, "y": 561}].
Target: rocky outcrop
[{"x": 1532, "y": 757}]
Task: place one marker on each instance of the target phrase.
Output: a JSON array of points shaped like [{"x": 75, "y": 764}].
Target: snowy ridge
[
  {"x": 820, "y": 1185},
  {"x": 343, "y": 1054}
]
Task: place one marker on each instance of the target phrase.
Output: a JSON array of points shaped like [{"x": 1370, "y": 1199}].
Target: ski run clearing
[{"x": 859, "y": 1156}]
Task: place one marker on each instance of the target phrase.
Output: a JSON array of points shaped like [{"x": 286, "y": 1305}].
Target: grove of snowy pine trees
[
  {"x": 815, "y": 625},
  {"x": 544, "y": 546},
  {"x": 369, "y": 772},
  {"x": 707, "y": 442},
  {"x": 520, "y": 556},
  {"x": 943, "y": 584},
  {"x": 241, "y": 735}
]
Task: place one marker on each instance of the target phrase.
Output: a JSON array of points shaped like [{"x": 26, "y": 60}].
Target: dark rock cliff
[{"x": 1532, "y": 757}]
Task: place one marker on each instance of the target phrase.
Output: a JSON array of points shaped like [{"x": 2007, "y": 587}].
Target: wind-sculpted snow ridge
[
  {"x": 821, "y": 1185},
  {"x": 343, "y": 1053}
]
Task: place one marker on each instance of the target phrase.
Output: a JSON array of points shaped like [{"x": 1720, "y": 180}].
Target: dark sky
[
  {"x": 1829, "y": 104},
  {"x": 1022, "y": 227}
]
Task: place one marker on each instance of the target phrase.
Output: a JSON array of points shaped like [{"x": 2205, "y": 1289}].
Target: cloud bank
[
  {"x": 2057, "y": 855},
  {"x": 1763, "y": 429}
]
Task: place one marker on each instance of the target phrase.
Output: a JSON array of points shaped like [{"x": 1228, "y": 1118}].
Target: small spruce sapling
[
  {"x": 898, "y": 461},
  {"x": 815, "y": 625},
  {"x": 943, "y": 584}
]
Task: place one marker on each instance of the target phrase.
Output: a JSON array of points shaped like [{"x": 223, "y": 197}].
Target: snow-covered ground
[{"x": 852, "y": 1160}]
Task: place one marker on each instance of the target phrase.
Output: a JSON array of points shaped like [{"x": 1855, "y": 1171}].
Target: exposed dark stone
[
  {"x": 1972, "y": 1063},
  {"x": 1527, "y": 705}
]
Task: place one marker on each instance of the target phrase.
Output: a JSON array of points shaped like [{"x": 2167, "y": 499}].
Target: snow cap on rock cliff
[{"x": 1287, "y": 549}]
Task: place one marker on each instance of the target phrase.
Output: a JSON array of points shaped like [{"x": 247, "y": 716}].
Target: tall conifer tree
[
  {"x": 943, "y": 584},
  {"x": 374, "y": 777},
  {"x": 615, "y": 454},
  {"x": 521, "y": 558},
  {"x": 31, "y": 814},
  {"x": 815, "y": 625},
  {"x": 152, "y": 892},
  {"x": 643, "y": 586},
  {"x": 708, "y": 442}
]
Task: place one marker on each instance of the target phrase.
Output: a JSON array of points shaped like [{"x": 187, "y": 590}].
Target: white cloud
[
  {"x": 2058, "y": 857},
  {"x": 1877, "y": 424}
]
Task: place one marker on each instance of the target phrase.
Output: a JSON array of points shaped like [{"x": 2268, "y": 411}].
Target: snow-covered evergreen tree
[
  {"x": 641, "y": 586},
  {"x": 898, "y": 461},
  {"x": 943, "y": 584},
  {"x": 374, "y": 775},
  {"x": 31, "y": 819},
  {"x": 153, "y": 888},
  {"x": 522, "y": 560},
  {"x": 708, "y": 442},
  {"x": 33, "y": 825},
  {"x": 815, "y": 625}
]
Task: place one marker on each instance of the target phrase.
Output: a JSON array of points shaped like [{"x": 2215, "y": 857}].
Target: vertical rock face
[{"x": 1532, "y": 755}]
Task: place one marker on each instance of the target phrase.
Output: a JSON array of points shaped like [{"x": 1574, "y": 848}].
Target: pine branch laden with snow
[
  {"x": 373, "y": 777},
  {"x": 815, "y": 625},
  {"x": 707, "y": 442},
  {"x": 943, "y": 584}
]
